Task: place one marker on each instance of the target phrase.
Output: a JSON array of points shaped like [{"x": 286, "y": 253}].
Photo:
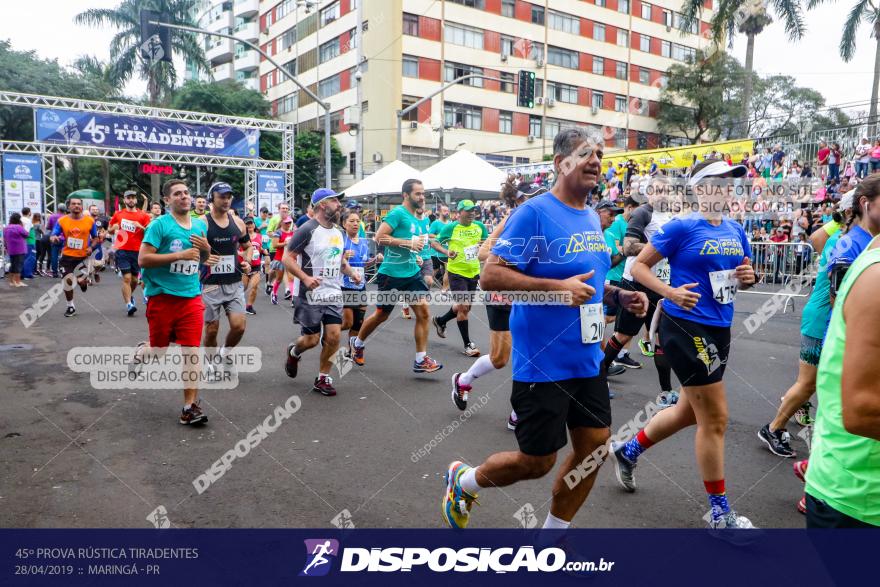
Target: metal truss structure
[{"x": 50, "y": 151}]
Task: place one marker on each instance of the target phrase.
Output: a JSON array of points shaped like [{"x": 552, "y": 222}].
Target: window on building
[
  {"x": 481, "y": 4},
  {"x": 597, "y": 100},
  {"x": 683, "y": 53},
  {"x": 620, "y": 103},
  {"x": 562, "y": 92},
  {"x": 598, "y": 65},
  {"x": 562, "y": 57},
  {"x": 539, "y": 88},
  {"x": 641, "y": 140},
  {"x": 328, "y": 50},
  {"x": 352, "y": 162},
  {"x": 507, "y": 81},
  {"x": 645, "y": 43},
  {"x": 410, "y": 24},
  {"x": 678, "y": 22},
  {"x": 270, "y": 80},
  {"x": 640, "y": 106},
  {"x": 646, "y": 11},
  {"x": 329, "y": 87},
  {"x": 290, "y": 66},
  {"x": 463, "y": 116},
  {"x": 412, "y": 115},
  {"x": 537, "y": 14},
  {"x": 410, "y": 66},
  {"x": 667, "y": 17},
  {"x": 287, "y": 103},
  {"x": 507, "y": 45},
  {"x": 281, "y": 10},
  {"x": 465, "y": 36},
  {"x": 665, "y": 48},
  {"x": 623, "y": 6},
  {"x": 598, "y": 31},
  {"x": 551, "y": 128},
  {"x": 644, "y": 76},
  {"x": 535, "y": 126},
  {"x": 622, "y": 38},
  {"x": 505, "y": 122},
  {"x": 663, "y": 80},
  {"x": 456, "y": 70},
  {"x": 352, "y": 39},
  {"x": 537, "y": 51},
  {"x": 563, "y": 22},
  {"x": 329, "y": 14},
  {"x": 600, "y": 3},
  {"x": 288, "y": 38},
  {"x": 508, "y": 8},
  {"x": 620, "y": 70}
]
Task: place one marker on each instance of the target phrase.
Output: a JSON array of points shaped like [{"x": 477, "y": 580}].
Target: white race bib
[
  {"x": 470, "y": 253},
  {"x": 75, "y": 243},
  {"x": 185, "y": 267},
  {"x": 592, "y": 323},
  {"x": 329, "y": 272},
  {"x": 128, "y": 225},
  {"x": 256, "y": 255},
  {"x": 663, "y": 271},
  {"x": 724, "y": 285},
  {"x": 226, "y": 264}
]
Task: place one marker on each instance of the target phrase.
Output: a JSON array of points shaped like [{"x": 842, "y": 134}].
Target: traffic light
[
  {"x": 155, "y": 40},
  {"x": 526, "y": 97}
]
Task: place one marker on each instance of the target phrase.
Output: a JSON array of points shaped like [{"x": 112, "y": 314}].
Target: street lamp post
[{"x": 325, "y": 105}]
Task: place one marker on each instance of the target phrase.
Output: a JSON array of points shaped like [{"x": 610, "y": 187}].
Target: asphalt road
[{"x": 75, "y": 456}]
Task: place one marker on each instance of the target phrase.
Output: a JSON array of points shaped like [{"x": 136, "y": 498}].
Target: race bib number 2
[
  {"x": 724, "y": 285},
  {"x": 592, "y": 323}
]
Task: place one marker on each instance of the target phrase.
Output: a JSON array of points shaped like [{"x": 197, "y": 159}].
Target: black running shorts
[
  {"x": 696, "y": 352},
  {"x": 628, "y": 323},
  {"x": 545, "y": 410},
  {"x": 499, "y": 317},
  {"x": 386, "y": 283}
]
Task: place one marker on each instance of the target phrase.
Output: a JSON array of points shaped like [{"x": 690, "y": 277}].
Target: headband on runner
[{"x": 716, "y": 169}]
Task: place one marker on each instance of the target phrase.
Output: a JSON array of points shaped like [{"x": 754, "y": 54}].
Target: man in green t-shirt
[
  {"x": 400, "y": 234},
  {"x": 438, "y": 260},
  {"x": 200, "y": 207},
  {"x": 843, "y": 478},
  {"x": 460, "y": 241}
]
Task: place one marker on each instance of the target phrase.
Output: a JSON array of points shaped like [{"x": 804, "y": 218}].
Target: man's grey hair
[{"x": 569, "y": 139}]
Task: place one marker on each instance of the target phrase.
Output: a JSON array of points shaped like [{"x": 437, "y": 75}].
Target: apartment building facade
[
  {"x": 598, "y": 63},
  {"x": 229, "y": 59}
]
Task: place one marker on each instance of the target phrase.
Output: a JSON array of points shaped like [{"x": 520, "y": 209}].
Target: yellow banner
[{"x": 681, "y": 157}]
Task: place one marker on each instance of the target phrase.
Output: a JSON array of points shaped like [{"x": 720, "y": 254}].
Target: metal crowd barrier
[{"x": 789, "y": 268}]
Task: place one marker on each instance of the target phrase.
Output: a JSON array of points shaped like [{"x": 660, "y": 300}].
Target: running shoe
[
  {"x": 667, "y": 399},
  {"x": 627, "y": 362},
  {"x": 406, "y": 313},
  {"x": 357, "y": 353},
  {"x": 802, "y": 505},
  {"x": 457, "y": 503},
  {"x": 292, "y": 362},
  {"x": 70, "y": 311},
  {"x": 250, "y": 310},
  {"x": 441, "y": 330},
  {"x": 131, "y": 309},
  {"x": 268, "y": 289},
  {"x": 511, "y": 421},
  {"x": 134, "y": 364},
  {"x": 459, "y": 392},
  {"x": 193, "y": 415},
  {"x": 324, "y": 386},
  {"x": 471, "y": 350},
  {"x": 614, "y": 370},
  {"x": 274, "y": 299},
  {"x": 800, "y": 469},
  {"x": 730, "y": 521},
  {"x": 623, "y": 467},
  {"x": 646, "y": 347},
  {"x": 777, "y": 442},
  {"x": 427, "y": 365},
  {"x": 802, "y": 415}
]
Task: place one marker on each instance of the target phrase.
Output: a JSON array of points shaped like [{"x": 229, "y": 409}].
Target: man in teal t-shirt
[
  {"x": 401, "y": 235},
  {"x": 613, "y": 235}
]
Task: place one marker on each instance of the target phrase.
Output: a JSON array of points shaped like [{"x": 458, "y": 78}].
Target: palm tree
[
  {"x": 125, "y": 46},
  {"x": 748, "y": 17}
]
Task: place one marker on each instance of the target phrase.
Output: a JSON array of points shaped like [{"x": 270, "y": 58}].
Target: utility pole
[
  {"x": 358, "y": 78},
  {"x": 440, "y": 149}
]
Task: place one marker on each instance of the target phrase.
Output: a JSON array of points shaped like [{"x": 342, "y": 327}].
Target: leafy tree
[
  {"x": 125, "y": 46},
  {"x": 308, "y": 152}
]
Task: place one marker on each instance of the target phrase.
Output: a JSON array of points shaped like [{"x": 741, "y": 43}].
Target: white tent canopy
[
  {"x": 465, "y": 173},
  {"x": 387, "y": 180}
]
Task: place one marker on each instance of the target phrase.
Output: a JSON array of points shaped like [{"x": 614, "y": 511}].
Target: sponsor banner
[
  {"x": 270, "y": 190},
  {"x": 681, "y": 157},
  {"x": 22, "y": 183},
  {"x": 71, "y": 127},
  {"x": 352, "y": 556}
]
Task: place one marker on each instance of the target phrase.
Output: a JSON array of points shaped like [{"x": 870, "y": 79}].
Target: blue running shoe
[{"x": 457, "y": 502}]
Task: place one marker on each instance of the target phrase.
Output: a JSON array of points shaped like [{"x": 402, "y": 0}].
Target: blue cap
[
  {"x": 322, "y": 194},
  {"x": 220, "y": 187},
  {"x": 353, "y": 204}
]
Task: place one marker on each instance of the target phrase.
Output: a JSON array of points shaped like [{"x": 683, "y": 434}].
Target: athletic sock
[
  {"x": 664, "y": 371},
  {"x": 611, "y": 349},
  {"x": 463, "y": 329},
  {"x": 636, "y": 446},
  {"x": 70, "y": 305},
  {"x": 420, "y": 357},
  {"x": 623, "y": 353},
  {"x": 322, "y": 375},
  {"x": 358, "y": 342},
  {"x": 468, "y": 481},
  {"x": 275, "y": 287},
  {"x": 446, "y": 317},
  {"x": 717, "y": 498},
  {"x": 554, "y": 523},
  {"x": 480, "y": 367}
]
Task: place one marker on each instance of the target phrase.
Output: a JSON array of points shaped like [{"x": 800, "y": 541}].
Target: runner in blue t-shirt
[
  {"x": 709, "y": 261},
  {"x": 357, "y": 251},
  {"x": 553, "y": 244}
]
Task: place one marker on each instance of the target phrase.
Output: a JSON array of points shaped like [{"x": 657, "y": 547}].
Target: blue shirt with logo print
[
  {"x": 695, "y": 248},
  {"x": 550, "y": 240}
]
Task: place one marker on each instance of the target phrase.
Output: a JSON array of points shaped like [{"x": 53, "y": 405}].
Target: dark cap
[
  {"x": 610, "y": 206},
  {"x": 221, "y": 187}
]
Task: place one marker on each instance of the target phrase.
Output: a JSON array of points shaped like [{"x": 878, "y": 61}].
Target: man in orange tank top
[{"x": 79, "y": 235}]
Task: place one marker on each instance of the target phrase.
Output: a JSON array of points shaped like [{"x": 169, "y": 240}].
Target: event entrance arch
[{"x": 176, "y": 122}]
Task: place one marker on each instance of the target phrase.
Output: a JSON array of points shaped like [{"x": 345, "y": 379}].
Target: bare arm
[
  {"x": 860, "y": 395},
  {"x": 819, "y": 238},
  {"x": 642, "y": 270},
  {"x": 632, "y": 247},
  {"x": 289, "y": 261},
  {"x": 384, "y": 238},
  {"x": 498, "y": 275},
  {"x": 149, "y": 258}
]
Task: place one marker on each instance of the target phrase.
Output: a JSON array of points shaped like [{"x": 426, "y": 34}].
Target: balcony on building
[
  {"x": 222, "y": 72},
  {"x": 246, "y": 60},
  {"x": 247, "y": 31},
  {"x": 219, "y": 51},
  {"x": 249, "y": 80},
  {"x": 246, "y": 8}
]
